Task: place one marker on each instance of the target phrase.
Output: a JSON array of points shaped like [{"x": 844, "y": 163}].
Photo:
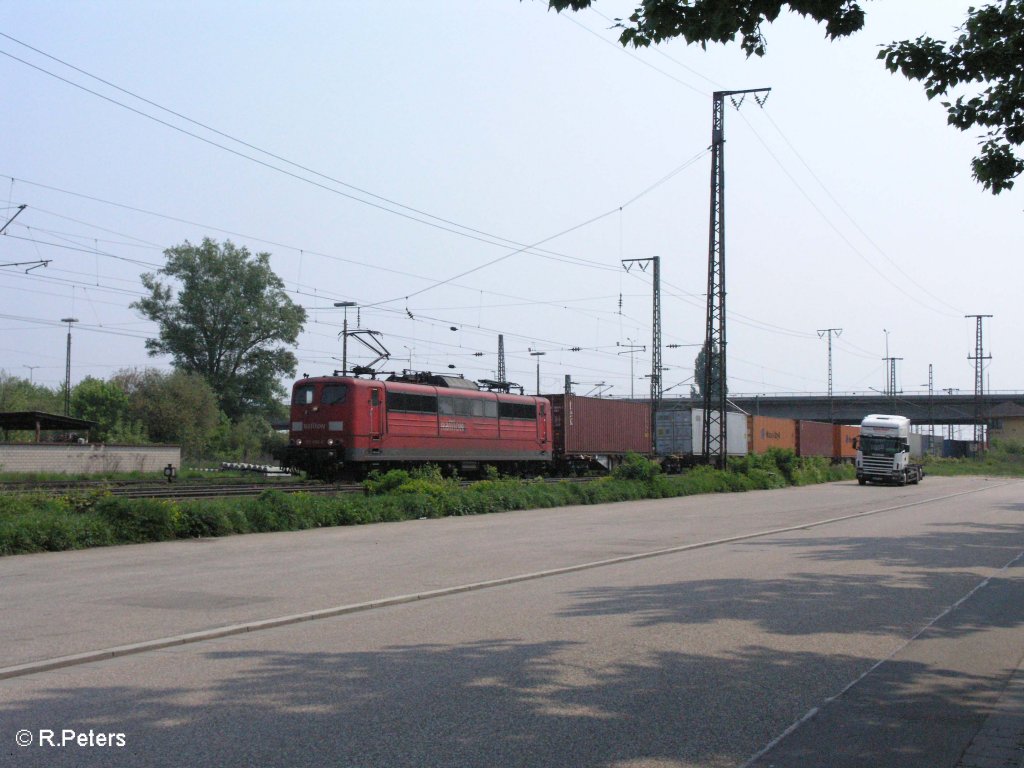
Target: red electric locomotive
[{"x": 343, "y": 426}]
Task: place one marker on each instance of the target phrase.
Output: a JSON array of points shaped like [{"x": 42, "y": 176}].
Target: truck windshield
[{"x": 882, "y": 445}]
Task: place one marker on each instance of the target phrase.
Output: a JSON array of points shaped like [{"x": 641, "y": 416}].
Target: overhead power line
[{"x": 412, "y": 213}]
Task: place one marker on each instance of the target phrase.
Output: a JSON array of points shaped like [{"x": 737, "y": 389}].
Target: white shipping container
[{"x": 735, "y": 432}]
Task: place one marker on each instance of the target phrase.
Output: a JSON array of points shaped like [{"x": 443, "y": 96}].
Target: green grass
[
  {"x": 43, "y": 522},
  {"x": 1004, "y": 459}
]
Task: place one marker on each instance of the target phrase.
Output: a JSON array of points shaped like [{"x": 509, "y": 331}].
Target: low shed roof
[{"x": 33, "y": 420}]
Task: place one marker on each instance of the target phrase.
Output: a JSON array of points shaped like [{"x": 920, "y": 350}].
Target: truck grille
[{"x": 877, "y": 464}]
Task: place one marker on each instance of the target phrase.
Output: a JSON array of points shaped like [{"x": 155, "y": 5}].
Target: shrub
[
  {"x": 377, "y": 483},
  {"x": 636, "y": 467},
  {"x": 139, "y": 520},
  {"x": 37, "y": 522}
]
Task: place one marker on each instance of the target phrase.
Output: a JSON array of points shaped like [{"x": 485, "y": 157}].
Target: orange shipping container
[
  {"x": 769, "y": 432},
  {"x": 844, "y": 437}
]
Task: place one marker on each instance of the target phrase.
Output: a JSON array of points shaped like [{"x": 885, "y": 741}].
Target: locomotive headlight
[
  {"x": 330, "y": 441},
  {"x": 298, "y": 441}
]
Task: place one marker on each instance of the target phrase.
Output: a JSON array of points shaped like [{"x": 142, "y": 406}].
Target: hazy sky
[{"x": 420, "y": 145}]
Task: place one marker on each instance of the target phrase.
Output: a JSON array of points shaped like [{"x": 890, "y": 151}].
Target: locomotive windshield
[
  {"x": 303, "y": 395},
  {"x": 334, "y": 394}
]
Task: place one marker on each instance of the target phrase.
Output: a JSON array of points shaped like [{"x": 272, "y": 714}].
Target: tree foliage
[
  {"x": 228, "y": 321},
  {"x": 720, "y": 21},
  {"x": 106, "y": 403},
  {"x": 700, "y": 364},
  {"x": 988, "y": 51},
  {"x": 18, "y": 394},
  {"x": 178, "y": 407}
]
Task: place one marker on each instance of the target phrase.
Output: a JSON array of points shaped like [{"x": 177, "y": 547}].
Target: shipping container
[
  {"x": 597, "y": 425},
  {"x": 735, "y": 432},
  {"x": 769, "y": 432},
  {"x": 674, "y": 433},
  {"x": 958, "y": 449},
  {"x": 815, "y": 438},
  {"x": 843, "y": 444},
  {"x": 925, "y": 445}
]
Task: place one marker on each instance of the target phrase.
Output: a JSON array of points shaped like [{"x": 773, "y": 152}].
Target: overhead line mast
[
  {"x": 656, "y": 384},
  {"x": 713, "y": 441},
  {"x": 979, "y": 357}
]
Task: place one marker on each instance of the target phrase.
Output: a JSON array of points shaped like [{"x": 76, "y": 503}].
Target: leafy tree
[
  {"x": 719, "y": 21},
  {"x": 176, "y": 407},
  {"x": 700, "y": 371},
  {"x": 250, "y": 439},
  {"x": 103, "y": 402},
  {"x": 18, "y": 394},
  {"x": 227, "y": 322},
  {"x": 989, "y": 50}
]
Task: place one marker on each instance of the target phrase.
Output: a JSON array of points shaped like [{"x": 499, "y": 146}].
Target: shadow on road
[
  {"x": 509, "y": 702},
  {"x": 487, "y": 704}
]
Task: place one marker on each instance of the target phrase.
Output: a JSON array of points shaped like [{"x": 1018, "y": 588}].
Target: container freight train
[
  {"x": 343, "y": 427},
  {"x": 680, "y": 432}
]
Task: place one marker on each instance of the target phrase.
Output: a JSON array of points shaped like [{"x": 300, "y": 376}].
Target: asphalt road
[{"x": 832, "y": 625}]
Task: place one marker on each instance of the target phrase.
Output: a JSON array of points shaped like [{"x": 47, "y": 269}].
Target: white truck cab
[{"x": 883, "y": 451}]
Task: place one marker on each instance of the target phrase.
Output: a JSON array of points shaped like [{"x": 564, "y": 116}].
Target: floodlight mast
[{"x": 713, "y": 443}]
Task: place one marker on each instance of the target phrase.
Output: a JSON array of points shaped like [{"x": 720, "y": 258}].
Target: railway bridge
[{"x": 849, "y": 408}]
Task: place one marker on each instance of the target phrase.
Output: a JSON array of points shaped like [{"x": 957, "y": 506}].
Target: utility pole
[
  {"x": 656, "y": 386},
  {"x": 822, "y": 332},
  {"x": 950, "y": 391},
  {"x": 979, "y": 380},
  {"x": 538, "y": 355},
  {"x": 713, "y": 443},
  {"x": 31, "y": 370},
  {"x": 891, "y": 385},
  {"x": 344, "y": 335},
  {"x": 629, "y": 349},
  {"x": 502, "y": 377},
  {"x": 67, "y": 367},
  {"x": 931, "y": 402}
]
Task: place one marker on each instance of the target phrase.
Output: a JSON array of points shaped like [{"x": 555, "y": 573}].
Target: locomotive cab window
[
  {"x": 334, "y": 394},
  {"x": 303, "y": 395}
]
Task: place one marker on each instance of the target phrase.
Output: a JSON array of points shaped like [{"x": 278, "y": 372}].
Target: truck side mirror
[{"x": 855, "y": 440}]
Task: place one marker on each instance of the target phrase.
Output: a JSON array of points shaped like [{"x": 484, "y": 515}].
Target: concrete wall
[
  {"x": 1009, "y": 429},
  {"x": 87, "y": 459}
]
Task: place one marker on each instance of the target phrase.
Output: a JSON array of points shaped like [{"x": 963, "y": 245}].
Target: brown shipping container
[
  {"x": 844, "y": 437},
  {"x": 814, "y": 438},
  {"x": 587, "y": 425},
  {"x": 769, "y": 432}
]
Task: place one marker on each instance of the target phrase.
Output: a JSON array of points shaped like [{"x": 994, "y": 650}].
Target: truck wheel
[
  {"x": 862, "y": 481},
  {"x": 903, "y": 477}
]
